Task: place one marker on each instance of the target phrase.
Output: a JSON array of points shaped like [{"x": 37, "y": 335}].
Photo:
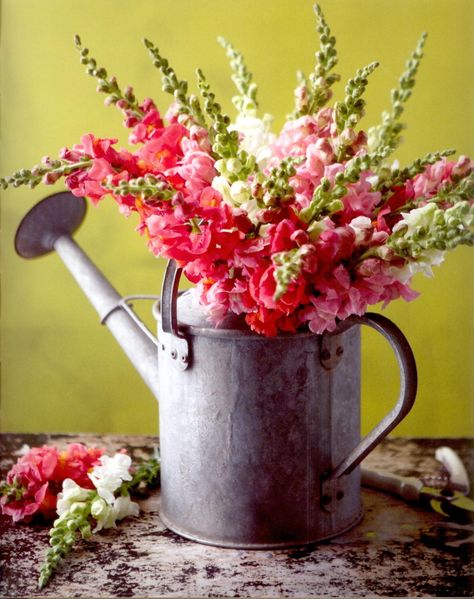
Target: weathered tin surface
[{"x": 264, "y": 416}]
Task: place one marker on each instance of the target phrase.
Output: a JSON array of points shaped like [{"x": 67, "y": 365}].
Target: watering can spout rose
[{"x": 259, "y": 436}]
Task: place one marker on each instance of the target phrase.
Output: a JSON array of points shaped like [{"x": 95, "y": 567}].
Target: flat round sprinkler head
[{"x": 57, "y": 215}]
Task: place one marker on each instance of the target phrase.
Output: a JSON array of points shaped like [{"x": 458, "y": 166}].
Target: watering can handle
[
  {"x": 408, "y": 386},
  {"x": 169, "y": 295},
  {"x": 172, "y": 340}
]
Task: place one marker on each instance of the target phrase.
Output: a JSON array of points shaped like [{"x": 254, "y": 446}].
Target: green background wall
[{"x": 61, "y": 371}]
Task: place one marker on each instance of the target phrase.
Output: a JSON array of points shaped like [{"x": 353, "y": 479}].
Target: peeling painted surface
[{"x": 397, "y": 550}]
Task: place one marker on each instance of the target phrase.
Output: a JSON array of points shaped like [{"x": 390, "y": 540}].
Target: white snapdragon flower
[
  {"x": 237, "y": 195},
  {"x": 227, "y": 167},
  {"x": 108, "y": 477},
  {"x": 107, "y": 515},
  {"x": 423, "y": 264},
  {"x": 257, "y": 137},
  {"x": 71, "y": 493},
  {"x": 234, "y": 195},
  {"x": 408, "y": 226},
  {"x": 252, "y": 209},
  {"x": 418, "y": 217},
  {"x": 221, "y": 185},
  {"x": 240, "y": 192}
]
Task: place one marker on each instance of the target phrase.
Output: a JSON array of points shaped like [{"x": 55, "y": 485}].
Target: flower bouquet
[
  {"x": 82, "y": 489},
  {"x": 296, "y": 230}
]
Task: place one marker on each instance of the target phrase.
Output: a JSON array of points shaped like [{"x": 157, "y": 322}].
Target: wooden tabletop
[{"x": 399, "y": 549}]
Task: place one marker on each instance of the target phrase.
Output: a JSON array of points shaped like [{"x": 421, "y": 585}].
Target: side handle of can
[
  {"x": 408, "y": 387},
  {"x": 172, "y": 340}
]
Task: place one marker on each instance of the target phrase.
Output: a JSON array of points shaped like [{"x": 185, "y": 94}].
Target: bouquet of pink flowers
[{"x": 297, "y": 230}]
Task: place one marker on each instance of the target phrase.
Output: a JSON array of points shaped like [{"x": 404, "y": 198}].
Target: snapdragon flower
[
  {"x": 109, "y": 501},
  {"x": 71, "y": 494},
  {"x": 424, "y": 234},
  {"x": 32, "y": 484},
  {"x": 107, "y": 515},
  {"x": 111, "y": 473},
  {"x": 256, "y": 137}
]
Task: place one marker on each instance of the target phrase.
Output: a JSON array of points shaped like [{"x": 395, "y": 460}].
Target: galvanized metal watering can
[{"x": 259, "y": 437}]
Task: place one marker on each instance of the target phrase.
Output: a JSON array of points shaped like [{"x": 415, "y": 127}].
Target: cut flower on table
[
  {"x": 32, "y": 485},
  {"x": 294, "y": 230},
  {"x": 95, "y": 494}
]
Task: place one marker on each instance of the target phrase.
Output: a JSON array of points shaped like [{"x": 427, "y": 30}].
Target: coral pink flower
[
  {"x": 88, "y": 182},
  {"x": 175, "y": 240},
  {"x": 297, "y": 135},
  {"x": 429, "y": 181},
  {"x": 163, "y": 151},
  {"x": 334, "y": 245},
  {"x": 262, "y": 287},
  {"x": 30, "y": 477},
  {"x": 76, "y": 462},
  {"x": 359, "y": 200},
  {"x": 197, "y": 170},
  {"x": 149, "y": 127},
  {"x": 271, "y": 322},
  {"x": 33, "y": 483}
]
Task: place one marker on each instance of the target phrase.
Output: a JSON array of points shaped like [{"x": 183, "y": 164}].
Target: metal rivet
[
  {"x": 174, "y": 354},
  {"x": 325, "y": 354}
]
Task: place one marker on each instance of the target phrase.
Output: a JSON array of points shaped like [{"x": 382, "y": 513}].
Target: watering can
[{"x": 259, "y": 437}]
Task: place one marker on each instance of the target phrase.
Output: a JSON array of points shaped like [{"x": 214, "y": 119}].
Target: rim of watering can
[{"x": 231, "y": 326}]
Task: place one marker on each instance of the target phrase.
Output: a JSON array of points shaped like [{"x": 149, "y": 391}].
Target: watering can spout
[{"x": 48, "y": 227}]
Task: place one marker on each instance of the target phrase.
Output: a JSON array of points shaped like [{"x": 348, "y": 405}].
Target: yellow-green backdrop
[{"x": 61, "y": 371}]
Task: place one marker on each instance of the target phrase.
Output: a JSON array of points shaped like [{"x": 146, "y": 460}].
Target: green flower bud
[
  {"x": 233, "y": 165},
  {"x": 325, "y": 184}
]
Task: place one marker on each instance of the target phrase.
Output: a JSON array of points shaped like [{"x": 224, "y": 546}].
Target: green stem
[
  {"x": 172, "y": 85},
  {"x": 47, "y": 174},
  {"x": 388, "y": 133},
  {"x": 147, "y": 187},
  {"x": 126, "y": 99},
  {"x": 63, "y": 536},
  {"x": 246, "y": 103}
]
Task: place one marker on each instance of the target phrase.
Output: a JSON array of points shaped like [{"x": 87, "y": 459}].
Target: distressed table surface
[{"x": 397, "y": 550}]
